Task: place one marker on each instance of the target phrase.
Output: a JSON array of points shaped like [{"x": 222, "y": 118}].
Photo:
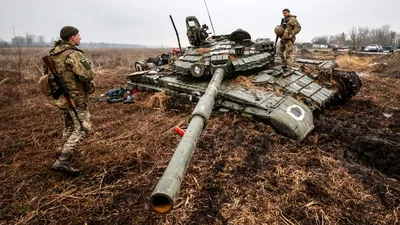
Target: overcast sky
[{"x": 147, "y": 21}]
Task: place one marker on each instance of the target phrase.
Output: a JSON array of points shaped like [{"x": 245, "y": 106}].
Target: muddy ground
[{"x": 242, "y": 172}]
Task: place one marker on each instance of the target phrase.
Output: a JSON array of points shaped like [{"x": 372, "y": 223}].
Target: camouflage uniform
[
  {"x": 286, "y": 45},
  {"x": 71, "y": 63}
]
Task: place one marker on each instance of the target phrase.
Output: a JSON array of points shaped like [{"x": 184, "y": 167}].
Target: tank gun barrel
[{"x": 163, "y": 197}]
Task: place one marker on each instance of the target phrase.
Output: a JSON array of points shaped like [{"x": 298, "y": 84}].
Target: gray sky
[{"x": 147, "y": 22}]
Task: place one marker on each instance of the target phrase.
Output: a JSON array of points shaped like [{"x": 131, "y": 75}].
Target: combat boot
[
  {"x": 287, "y": 73},
  {"x": 65, "y": 167}
]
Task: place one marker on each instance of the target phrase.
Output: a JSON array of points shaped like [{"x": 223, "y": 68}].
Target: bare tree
[
  {"x": 355, "y": 37},
  {"x": 393, "y": 35},
  {"x": 30, "y": 39},
  {"x": 381, "y": 35},
  {"x": 338, "y": 39},
  {"x": 397, "y": 42},
  {"x": 4, "y": 44},
  {"x": 17, "y": 44},
  {"x": 41, "y": 40},
  {"x": 18, "y": 41},
  {"x": 322, "y": 40},
  {"x": 364, "y": 33}
]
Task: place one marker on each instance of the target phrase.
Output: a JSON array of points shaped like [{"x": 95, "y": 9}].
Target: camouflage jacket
[
  {"x": 71, "y": 63},
  {"x": 293, "y": 27}
]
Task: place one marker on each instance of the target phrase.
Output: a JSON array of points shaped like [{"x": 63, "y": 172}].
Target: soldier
[
  {"x": 71, "y": 64},
  {"x": 291, "y": 27}
]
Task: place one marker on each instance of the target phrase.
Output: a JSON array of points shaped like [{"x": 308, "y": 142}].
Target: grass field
[{"x": 242, "y": 172}]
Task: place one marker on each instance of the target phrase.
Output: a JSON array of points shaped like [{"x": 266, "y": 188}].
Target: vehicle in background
[
  {"x": 373, "y": 48},
  {"x": 338, "y": 48},
  {"x": 388, "y": 48},
  {"x": 319, "y": 48}
]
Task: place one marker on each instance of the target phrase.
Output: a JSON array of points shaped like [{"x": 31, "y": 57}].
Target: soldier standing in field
[
  {"x": 71, "y": 64},
  {"x": 291, "y": 27}
]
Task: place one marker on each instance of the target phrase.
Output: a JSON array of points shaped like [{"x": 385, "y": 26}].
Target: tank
[{"x": 205, "y": 73}]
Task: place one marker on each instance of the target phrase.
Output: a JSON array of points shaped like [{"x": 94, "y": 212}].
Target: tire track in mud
[{"x": 367, "y": 133}]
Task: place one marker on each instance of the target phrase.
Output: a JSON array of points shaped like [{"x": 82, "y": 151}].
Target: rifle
[
  {"x": 276, "y": 39},
  {"x": 62, "y": 87}
]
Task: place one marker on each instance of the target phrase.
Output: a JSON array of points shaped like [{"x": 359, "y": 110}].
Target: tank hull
[{"x": 285, "y": 113}]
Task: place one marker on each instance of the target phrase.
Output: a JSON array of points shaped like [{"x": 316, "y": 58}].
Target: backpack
[
  {"x": 44, "y": 85},
  {"x": 115, "y": 95}
]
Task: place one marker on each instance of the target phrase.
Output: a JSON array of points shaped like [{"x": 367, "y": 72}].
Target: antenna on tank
[
  {"x": 176, "y": 32},
  {"x": 205, "y": 3}
]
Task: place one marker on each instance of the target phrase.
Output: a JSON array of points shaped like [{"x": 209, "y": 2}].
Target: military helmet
[{"x": 279, "y": 31}]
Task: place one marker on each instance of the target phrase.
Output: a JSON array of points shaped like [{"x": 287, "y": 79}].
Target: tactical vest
[
  {"x": 75, "y": 86},
  {"x": 288, "y": 29}
]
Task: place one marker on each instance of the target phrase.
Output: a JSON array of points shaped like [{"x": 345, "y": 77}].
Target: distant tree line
[
  {"x": 4, "y": 44},
  {"x": 31, "y": 40},
  {"x": 357, "y": 37}
]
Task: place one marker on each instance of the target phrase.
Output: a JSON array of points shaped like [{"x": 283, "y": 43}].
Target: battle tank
[{"x": 204, "y": 73}]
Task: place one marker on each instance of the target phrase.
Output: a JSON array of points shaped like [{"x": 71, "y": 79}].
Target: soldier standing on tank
[
  {"x": 291, "y": 27},
  {"x": 71, "y": 64}
]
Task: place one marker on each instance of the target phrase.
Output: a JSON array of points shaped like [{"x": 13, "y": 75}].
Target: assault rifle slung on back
[{"x": 62, "y": 87}]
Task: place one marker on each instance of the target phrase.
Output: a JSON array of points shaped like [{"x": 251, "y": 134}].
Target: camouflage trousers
[
  {"x": 285, "y": 51},
  {"x": 73, "y": 133}
]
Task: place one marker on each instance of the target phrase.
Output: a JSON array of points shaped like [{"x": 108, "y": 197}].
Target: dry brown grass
[
  {"x": 244, "y": 81},
  {"x": 203, "y": 50},
  {"x": 387, "y": 65},
  {"x": 232, "y": 57},
  {"x": 121, "y": 58},
  {"x": 242, "y": 171},
  {"x": 355, "y": 63},
  {"x": 159, "y": 100},
  {"x": 318, "y": 55}
]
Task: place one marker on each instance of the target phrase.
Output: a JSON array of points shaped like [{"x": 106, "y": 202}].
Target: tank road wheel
[
  {"x": 140, "y": 66},
  {"x": 348, "y": 84}
]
